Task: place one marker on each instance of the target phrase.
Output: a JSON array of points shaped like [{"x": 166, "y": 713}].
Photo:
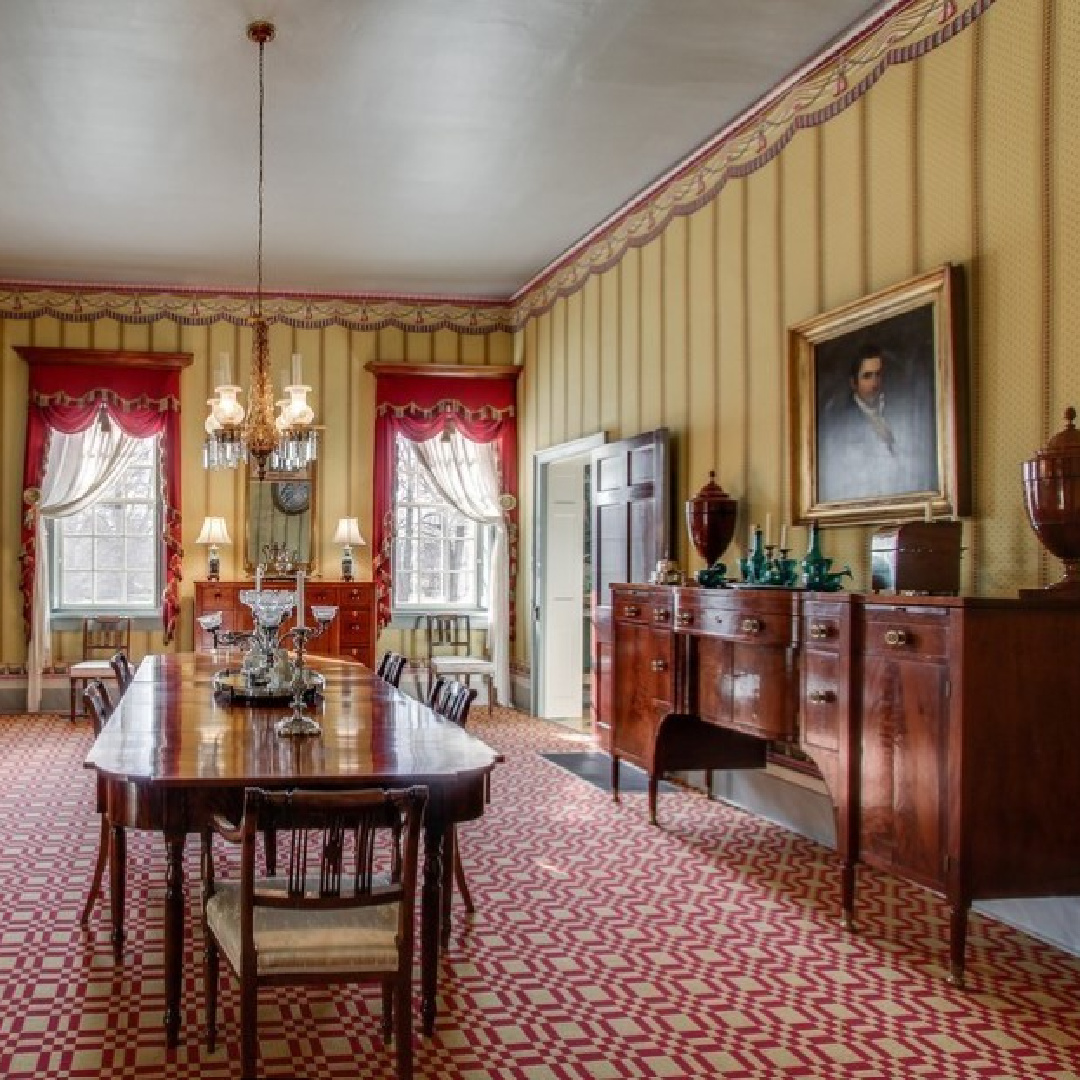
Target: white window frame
[
  {"x": 478, "y": 604},
  {"x": 147, "y": 610}
]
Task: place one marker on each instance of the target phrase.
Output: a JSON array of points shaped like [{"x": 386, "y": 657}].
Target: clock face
[{"x": 291, "y": 496}]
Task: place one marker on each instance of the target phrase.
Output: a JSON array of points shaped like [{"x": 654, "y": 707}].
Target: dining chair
[
  {"x": 102, "y": 636},
  {"x": 343, "y": 912},
  {"x": 391, "y": 666},
  {"x": 451, "y": 652},
  {"x": 123, "y": 670},
  {"x": 451, "y": 700},
  {"x": 99, "y": 707}
]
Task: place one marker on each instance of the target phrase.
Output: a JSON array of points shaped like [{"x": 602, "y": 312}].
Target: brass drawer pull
[
  {"x": 685, "y": 618},
  {"x": 819, "y": 631},
  {"x": 896, "y": 638},
  {"x": 819, "y": 697},
  {"x": 751, "y": 626},
  {"x": 632, "y": 611},
  {"x": 659, "y": 665},
  {"x": 661, "y": 614}
]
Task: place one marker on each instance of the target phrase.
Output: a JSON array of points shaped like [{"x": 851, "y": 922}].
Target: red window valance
[
  {"x": 480, "y": 403},
  {"x": 141, "y": 394}
]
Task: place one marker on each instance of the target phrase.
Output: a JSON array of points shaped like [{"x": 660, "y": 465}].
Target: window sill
[{"x": 141, "y": 620}]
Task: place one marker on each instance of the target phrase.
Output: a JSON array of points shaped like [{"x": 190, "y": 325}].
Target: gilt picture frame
[{"x": 878, "y": 407}]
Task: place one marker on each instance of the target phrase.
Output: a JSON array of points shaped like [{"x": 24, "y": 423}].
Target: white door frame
[{"x": 541, "y": 460}]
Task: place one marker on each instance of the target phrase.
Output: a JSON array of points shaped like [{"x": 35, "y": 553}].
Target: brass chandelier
[{"x": 285, "y": 441}]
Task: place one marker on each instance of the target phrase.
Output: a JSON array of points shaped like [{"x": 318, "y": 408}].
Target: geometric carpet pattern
[{"x": 602, "y": 947}]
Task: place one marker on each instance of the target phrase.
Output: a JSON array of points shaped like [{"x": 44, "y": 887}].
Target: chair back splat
[
  {"x": 391, "y": 666},
  {"x": 102, "y": 637},
  {"x": 343, "y": 912}
]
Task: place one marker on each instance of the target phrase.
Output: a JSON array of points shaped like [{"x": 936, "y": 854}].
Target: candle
[
  {"x": 753, "y": 535},
  {"x": 768, "y": 528},
  {"x": 258, "y": 579},
  {"x": 300, "y": 598},
  {"x": 783, "y": 538},
  {"x": 297, "y": 369}
]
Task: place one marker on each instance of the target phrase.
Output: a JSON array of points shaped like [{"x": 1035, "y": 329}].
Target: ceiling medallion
[{"x": 282, "y": 442}]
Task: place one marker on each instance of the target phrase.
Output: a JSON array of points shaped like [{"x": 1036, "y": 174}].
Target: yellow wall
[
  {"x": 344, "y": 400},
  {"x": 967, "y": 155}
]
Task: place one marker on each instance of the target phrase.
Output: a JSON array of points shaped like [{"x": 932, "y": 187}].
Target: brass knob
[
  {"x": 685, "y": 618},
  {"x": 751, "y": 626},
  {"x": 819, "y": 631},
  {"x": 819, "y": 697},
  {"x": 659, "y": 665},
  {"x": 896, "y": 638},
  {"x": 632, "y": 611},
  {"x": 661, "y": 614}
]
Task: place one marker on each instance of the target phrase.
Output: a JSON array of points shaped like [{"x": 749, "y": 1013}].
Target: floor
[{"x": 603, "y": 948}]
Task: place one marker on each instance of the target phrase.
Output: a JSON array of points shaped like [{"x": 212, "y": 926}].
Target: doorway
[{"x": 560, "y": 687}]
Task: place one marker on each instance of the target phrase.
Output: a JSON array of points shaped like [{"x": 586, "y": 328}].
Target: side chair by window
[
  {"x": 342, "y": 914},
  {"x": 451, "y": 652},
  {"x": 102, "y": 636}
]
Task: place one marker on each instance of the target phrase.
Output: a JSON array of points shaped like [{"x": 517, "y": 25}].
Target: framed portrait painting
[{"x": 879, "y": 406}]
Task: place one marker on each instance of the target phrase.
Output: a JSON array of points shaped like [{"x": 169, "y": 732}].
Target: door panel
[{"x": 631, "y": 531}]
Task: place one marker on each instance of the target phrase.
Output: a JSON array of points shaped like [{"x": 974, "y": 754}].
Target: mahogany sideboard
[
  {"x": 351, "y": 636},
  {"x": 945, "y": 728}
]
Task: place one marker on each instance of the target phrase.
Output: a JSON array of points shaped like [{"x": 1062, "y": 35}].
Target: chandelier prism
[{"x": 288, "y": 440}]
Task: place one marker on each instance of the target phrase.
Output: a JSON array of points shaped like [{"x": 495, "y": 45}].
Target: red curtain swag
[
  {"x": 420, "y": 407},
  {"x": 141, "y": 402}
]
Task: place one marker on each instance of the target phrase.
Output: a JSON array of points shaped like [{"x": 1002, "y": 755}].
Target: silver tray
[{"x": 233, "y": 684}]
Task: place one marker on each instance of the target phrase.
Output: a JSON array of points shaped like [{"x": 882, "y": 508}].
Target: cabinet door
[
  {"x": 643, "y": 690},
  {"x": 904, "y": 773}
]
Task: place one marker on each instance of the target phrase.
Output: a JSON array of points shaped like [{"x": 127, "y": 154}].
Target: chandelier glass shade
[{"x": 270, "y": 435}]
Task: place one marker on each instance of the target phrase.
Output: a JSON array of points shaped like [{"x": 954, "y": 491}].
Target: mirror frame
[{"x": 308, "y": 474}]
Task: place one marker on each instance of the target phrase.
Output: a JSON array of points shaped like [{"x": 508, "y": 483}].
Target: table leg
[
  {"x": 430, "y": 918},
  {"x": 174, "y": 933},
  {"x": 117, "y": 887}
]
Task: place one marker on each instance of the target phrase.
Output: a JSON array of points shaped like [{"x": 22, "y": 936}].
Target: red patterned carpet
[{"x": 602, "y": 948}]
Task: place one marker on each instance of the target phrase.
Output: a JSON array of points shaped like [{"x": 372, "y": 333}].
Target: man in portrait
[{"x": 876, "y": 433}]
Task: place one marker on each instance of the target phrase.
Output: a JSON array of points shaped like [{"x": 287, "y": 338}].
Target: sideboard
[
  {"x": 946, "y": 729},
  {"x": 351, "y": 636}
]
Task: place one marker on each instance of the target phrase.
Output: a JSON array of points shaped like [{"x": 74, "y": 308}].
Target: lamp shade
[
  {"x": 348, "y": 532},
  {"x": 213, "y": 531}
]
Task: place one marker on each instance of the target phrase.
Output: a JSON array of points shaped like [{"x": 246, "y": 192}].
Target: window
[
  {"x": 439, "y": 555},
  {"x": 108, "y": 556}
]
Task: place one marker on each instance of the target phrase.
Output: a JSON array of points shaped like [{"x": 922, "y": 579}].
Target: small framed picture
[{"x": 879, "y": 406}]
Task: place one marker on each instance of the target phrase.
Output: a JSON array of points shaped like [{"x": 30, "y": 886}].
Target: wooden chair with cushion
[
  {"x": 343, "y": 913},
  {"x": 451, "y": 700},
  {"x": 102, "y": 636},
  {"x": 391, "y": 666},
  {"x": 451, "y": 653}
]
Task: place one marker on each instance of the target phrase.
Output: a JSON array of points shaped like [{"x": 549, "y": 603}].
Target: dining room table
[{"x": 179, "y": 749}]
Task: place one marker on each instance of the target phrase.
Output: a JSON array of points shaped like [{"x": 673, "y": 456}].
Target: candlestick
[
  {"x": 297, "y": 369},
  {"x": 300, "y": 599}
]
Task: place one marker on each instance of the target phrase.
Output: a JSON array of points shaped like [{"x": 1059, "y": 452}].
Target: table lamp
[
  {"x": 348, "y": 533},
  {"x": 213, "y": 532}
]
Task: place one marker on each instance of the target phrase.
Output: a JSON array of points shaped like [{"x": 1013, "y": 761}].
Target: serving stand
[{"x": 267, "y": 673}]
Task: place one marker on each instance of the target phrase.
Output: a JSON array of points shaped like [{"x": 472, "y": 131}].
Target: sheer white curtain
[
  {"x": 79, "y": 469},
  {"x": 467, "y": 475}
]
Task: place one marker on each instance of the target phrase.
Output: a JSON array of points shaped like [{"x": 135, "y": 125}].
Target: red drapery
[
  {"x": 419, "y": 407},
  {"x": 142, "y": 402}
]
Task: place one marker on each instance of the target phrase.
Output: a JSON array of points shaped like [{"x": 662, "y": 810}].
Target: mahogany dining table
[{"x": 173, "y": 753}]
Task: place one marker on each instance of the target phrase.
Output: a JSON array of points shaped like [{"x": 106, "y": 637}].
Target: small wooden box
[{"x": 918, "y": 557}]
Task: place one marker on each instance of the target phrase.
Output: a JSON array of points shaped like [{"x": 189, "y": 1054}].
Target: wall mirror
[{"x": 280, "y": 522}]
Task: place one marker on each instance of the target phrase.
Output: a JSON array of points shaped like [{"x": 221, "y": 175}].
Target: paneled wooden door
[{"x": 631, "y": 531}]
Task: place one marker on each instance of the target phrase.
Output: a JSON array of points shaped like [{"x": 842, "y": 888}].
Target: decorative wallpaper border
[
  {"x": 834, "y": 81},
  {"x": 71, "y": 302}
]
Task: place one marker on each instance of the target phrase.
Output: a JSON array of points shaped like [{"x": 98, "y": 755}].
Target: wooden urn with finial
[{"x": 1052, "y": 500}]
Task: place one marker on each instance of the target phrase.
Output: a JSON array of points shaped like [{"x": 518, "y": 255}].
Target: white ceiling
[{"x": 451, "y": 147}]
